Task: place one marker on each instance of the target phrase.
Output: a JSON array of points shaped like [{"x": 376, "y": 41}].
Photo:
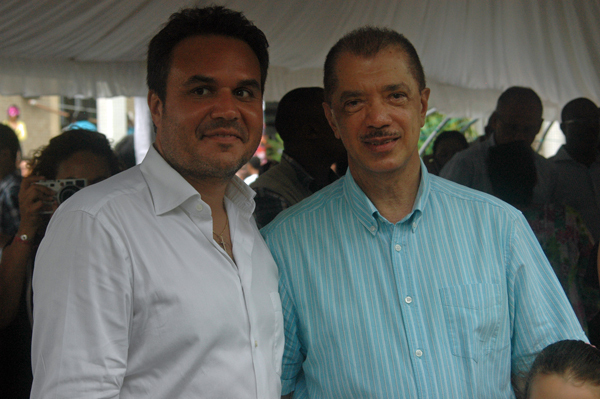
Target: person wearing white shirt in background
[
  {"x": 157, "y": 283},
  {"x": 578, "y": 161}
]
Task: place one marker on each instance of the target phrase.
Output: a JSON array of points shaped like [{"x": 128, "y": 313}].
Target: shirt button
[
  {"x": 256, "y": 344},
  {"x": 419, "y": 352},
  {"x": 408, "y": 299},
  {"x": 199, "y": 207},
  {"x": 398, "y": 247},
  {"x": 414, "y": 225},
  {"x": 372, "y": 229}
]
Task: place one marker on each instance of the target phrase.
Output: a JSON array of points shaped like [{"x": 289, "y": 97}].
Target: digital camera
[{"x": 63, "y": 188}]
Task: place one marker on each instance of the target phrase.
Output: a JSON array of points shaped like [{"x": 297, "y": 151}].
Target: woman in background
[{"x": 76, "y": 154}]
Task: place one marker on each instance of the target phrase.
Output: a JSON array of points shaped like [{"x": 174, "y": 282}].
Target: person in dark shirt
[{"x": 310, "y": 149}]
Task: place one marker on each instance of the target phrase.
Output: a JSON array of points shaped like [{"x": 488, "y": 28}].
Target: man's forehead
[
  {"x": 396, "y": 55},
  {"x": 205, "y": 52},
  {"x": 207, "y": 44}
]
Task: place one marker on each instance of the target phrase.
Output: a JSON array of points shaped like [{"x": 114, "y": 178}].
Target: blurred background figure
[
  {"x": 82, "y": 120},
  {"x": 578, "y": 161},
  {"x": 10, "y": 181},
  {"x": 253, "y": 168},
  {"x": 445, "y": 146},
  {"x": 75, "y": 154},
  {"x": 125, "y": 151},
  {"x": 310, "y": 150},
  {"x": 13, "y": 112},
  {"x": 24, "y": 167},
  {"x": 560, "y": 230},
  {"x": 517, "y": 117}
]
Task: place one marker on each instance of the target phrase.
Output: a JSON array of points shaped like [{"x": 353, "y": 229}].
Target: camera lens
[{"x": 66, "y": 193}]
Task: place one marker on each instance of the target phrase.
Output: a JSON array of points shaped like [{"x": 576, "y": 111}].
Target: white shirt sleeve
[{"x": 82, "y": 288}]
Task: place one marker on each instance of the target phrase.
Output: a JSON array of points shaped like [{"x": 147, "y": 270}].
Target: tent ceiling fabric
[{"x": 471, "y": 49}]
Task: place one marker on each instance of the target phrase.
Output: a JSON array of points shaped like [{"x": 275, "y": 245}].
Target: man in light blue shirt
[{"x": 396, "y": 283}]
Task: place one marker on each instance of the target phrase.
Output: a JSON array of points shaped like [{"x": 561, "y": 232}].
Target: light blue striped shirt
[{"x": 444, "y": 304}]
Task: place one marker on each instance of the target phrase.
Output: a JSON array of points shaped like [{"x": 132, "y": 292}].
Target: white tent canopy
[{"x": 471, "y": 49}]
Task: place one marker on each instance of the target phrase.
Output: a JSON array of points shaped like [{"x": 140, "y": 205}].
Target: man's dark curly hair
[
  {"x": 46, "y": 159},
  {"x": 189, "y": 22}
]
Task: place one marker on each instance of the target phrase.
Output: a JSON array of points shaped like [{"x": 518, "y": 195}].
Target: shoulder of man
[
  {"x": 450, "y": 189},
  {"x": 561, "y": 156},
  {"x": 462, "y": 159},
  {"x": 280, "y": 174},
  {"x": 94, "y": 198}
]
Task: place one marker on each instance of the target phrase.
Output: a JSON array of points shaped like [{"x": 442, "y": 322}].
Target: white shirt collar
[{"x": 169, "y": 189}]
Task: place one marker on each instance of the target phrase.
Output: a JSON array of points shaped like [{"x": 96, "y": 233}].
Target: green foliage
[
  {"x": 274, "y": 148},
  {"x": 432, "y": 122}
]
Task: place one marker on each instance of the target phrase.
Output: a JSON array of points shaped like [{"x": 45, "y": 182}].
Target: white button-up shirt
[
  {"x": 579, "y": 187},
  {"x": 134, "y": 299}
]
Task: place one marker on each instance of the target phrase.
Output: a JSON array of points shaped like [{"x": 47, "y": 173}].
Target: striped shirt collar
[{"x": 367, "y": 213}]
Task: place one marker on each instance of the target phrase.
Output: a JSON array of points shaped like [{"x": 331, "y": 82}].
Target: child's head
[{"x": 564, "y": 370}]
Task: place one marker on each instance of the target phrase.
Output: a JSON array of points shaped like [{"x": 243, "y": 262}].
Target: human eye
[
  {"x": 398, "y": 97},
  {"x": 352, "y": 105},
  {"x": 244, "y": 93},
  {"x": 201, "y": 91}
]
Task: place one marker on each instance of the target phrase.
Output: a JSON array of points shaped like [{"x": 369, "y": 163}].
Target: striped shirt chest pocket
[{"x": 472, "y": 314}]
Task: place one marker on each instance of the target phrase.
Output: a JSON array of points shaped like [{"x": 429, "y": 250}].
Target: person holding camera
[{"x": 70, "y": 158}]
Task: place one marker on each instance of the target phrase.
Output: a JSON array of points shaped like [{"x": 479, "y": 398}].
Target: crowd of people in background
[
  {"x": 560, "y": 196},
  {"x": 326, "y": 296}
]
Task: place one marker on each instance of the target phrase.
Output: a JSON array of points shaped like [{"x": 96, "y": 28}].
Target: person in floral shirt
[{"x": 562, "y": 234}]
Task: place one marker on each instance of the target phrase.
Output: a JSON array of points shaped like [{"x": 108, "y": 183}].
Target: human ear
[
  {"x": 156, "y": 107},
  {"x": 424, "y": 103},
  {"x": 331, "y": 119}
]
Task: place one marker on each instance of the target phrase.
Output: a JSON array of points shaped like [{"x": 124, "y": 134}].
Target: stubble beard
[{"x": 195, "y": 167}]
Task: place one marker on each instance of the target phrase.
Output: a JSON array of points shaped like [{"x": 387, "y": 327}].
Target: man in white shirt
[
  {"x": 156, "y": 283},
  {"x": 578, "y": 161},
  {"x": 517, "y": 117}
]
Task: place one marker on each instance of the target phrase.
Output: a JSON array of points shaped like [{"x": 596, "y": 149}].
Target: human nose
[
  {"x": 377, "y": 115},
  {"x": 225, "y": 107}
]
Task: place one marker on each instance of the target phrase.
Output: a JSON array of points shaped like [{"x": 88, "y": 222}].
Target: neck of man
[
  {"x": 212, "y": 191},
  {"x": 393, "y": 193},
  {"x": 586, "y": 158}
]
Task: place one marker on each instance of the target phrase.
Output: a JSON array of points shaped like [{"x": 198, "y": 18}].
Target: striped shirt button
[
  {"x": 419, "y": 352},
  {"x": 398, "y": 247},
  {"x": 372, "y": 229},
  {"x": 408, "y": 299}
]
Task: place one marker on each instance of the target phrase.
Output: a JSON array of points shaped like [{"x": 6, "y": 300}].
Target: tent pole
[
  {"x": 544, "y": 137},
  {"x": 433, "y": 135}
]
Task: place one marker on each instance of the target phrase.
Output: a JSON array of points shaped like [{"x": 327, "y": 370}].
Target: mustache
[
  {"x": 377, "y": 133},
  {"x": 221, "y": 124}
]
